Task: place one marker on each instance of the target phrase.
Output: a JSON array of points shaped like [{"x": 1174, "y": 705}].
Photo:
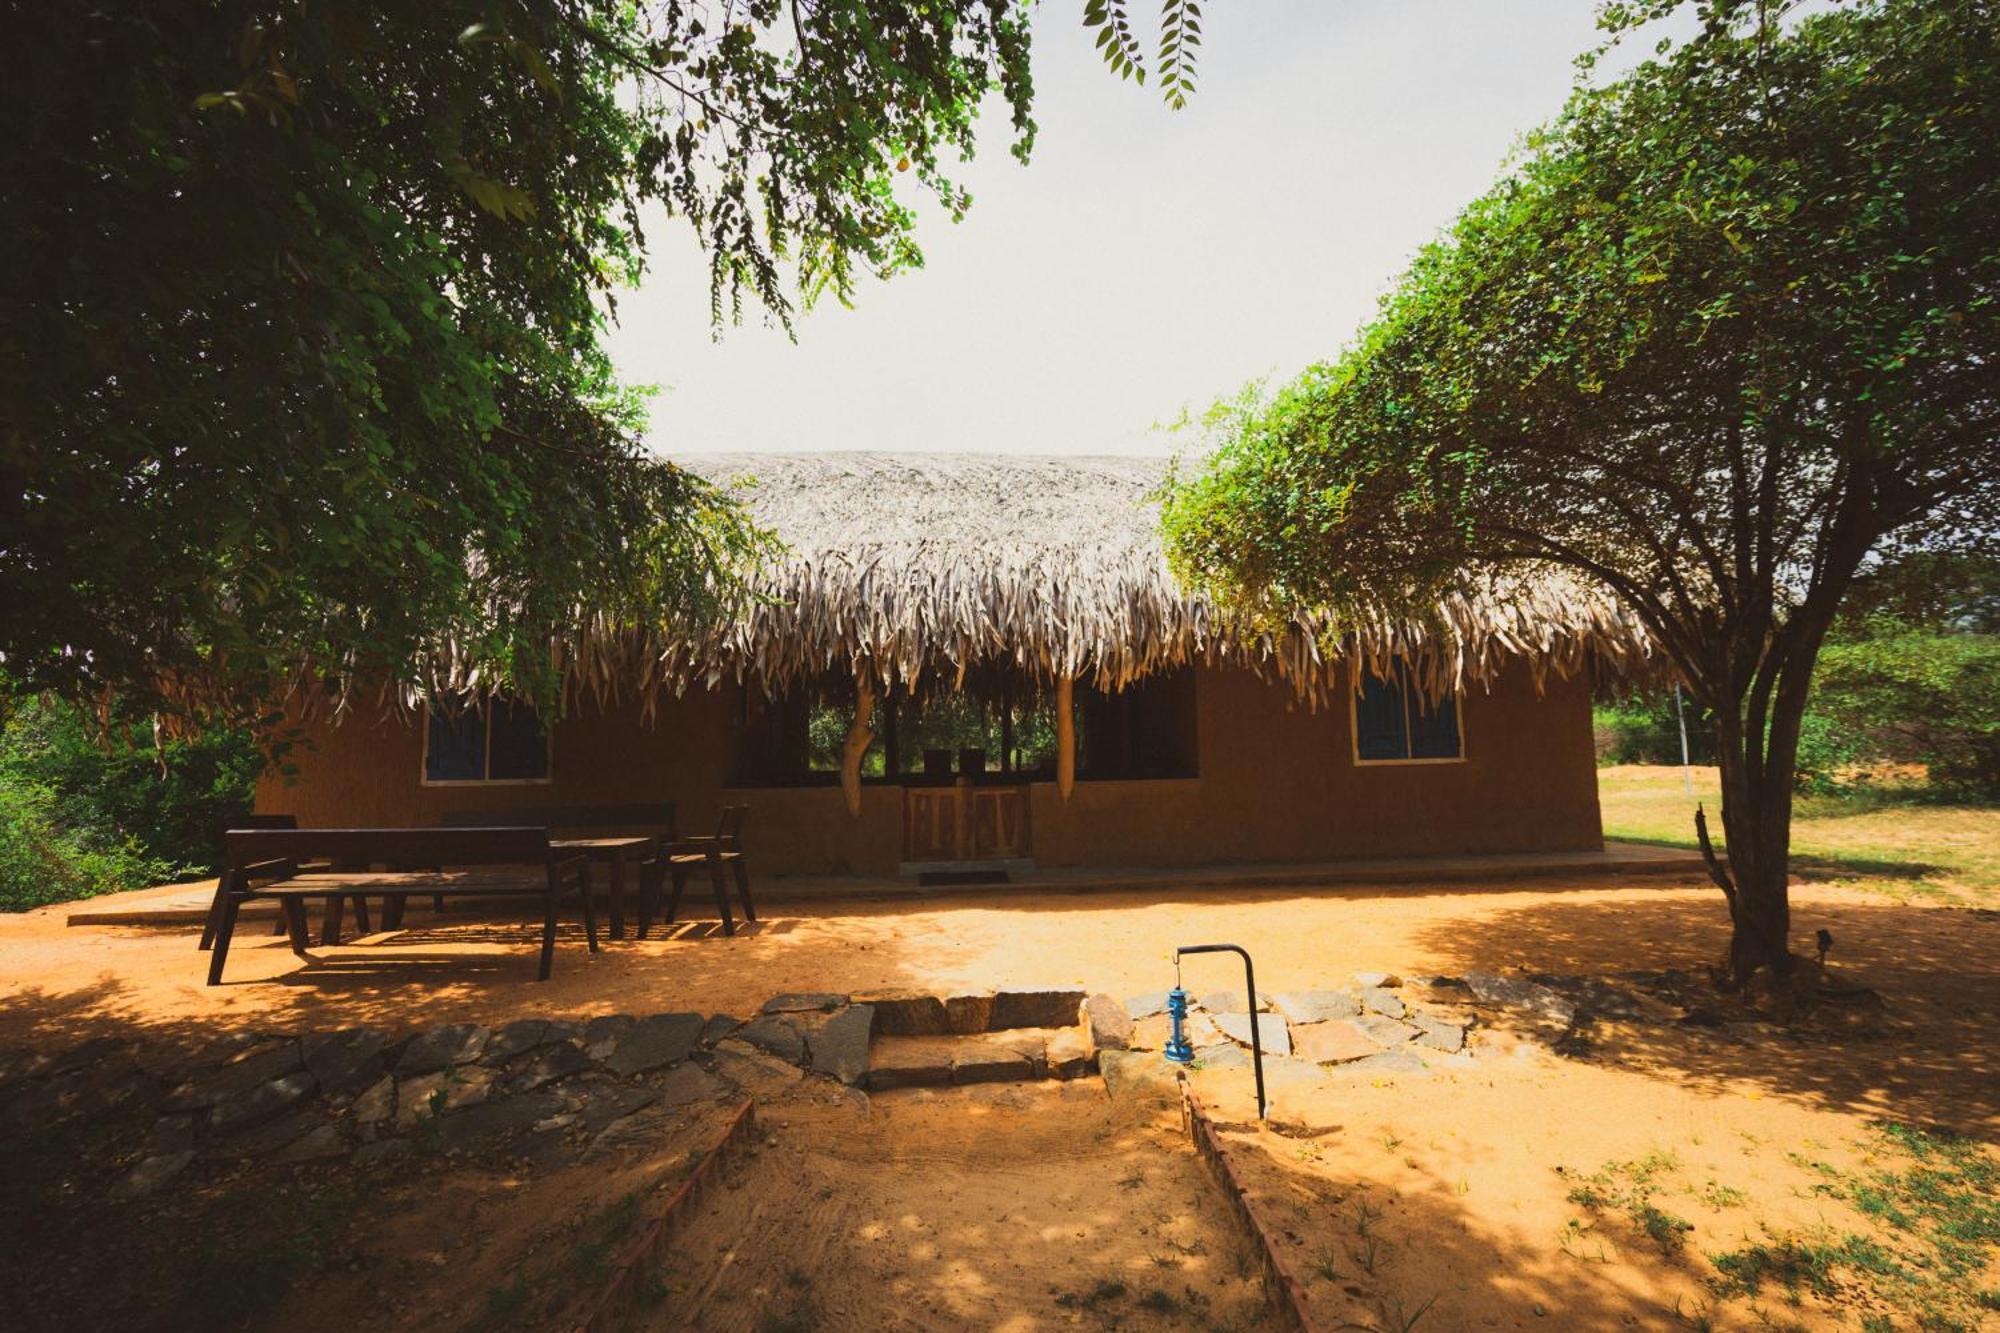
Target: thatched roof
[{"x": 916, "y": 567}]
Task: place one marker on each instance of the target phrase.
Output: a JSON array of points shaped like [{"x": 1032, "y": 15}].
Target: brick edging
[
  {"x": 1207, "y": 1141},
  {"x": 621, "y": 1289}
]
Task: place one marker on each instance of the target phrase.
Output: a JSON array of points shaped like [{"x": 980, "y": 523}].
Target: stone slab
[
  {"x": 804, "y": 1002},
  {"x": 344, "y": 1062},
  {"x": 452, "y": 1045},
  {"x": 1335, "y": 1041},
  {"x": 322, "y": 1143},
  {"x": 991, "y": 1064},
  {"x": 606, "y": 1103},
  {"x": 152, "y": 1173},
  {"x": 718, "y": 1027},
  {"x": 1106, "y": 1025},
  {"x": 1525, "y": 996},
  {"x": 549, "y": 1064},
  {"x": 839, "y": 1047},
  {"x": 261, "y": 1103},
  {"x": 250, "y": 1069},
  {"x": 1439, "y": 1034},
  {"x": 1034, "y": 1009},
  {"x": 516, "y": 1038},
  {"x": 1272, "y": 1033},
  {"x": 496, "y": 1120},
  {"x": 968, "y": 1014},
  {"x": 756, "y": 1074},
  {"x": 907, "y": 1013},
  {"x": 1380, "y": 1000},
  {"x": 660, "y": 1039},
  {"x": 1385, "y": 1031},
  {"x": 774, "y": 1036},
  {"x": 1145, "y": 1006},
  {"x": 1315, "y": 1006},
  {"x": 430, "y": 1095},
  {"x": 1222, "y": 1055},
  {"x": 1151, "y": 1032},
  {"x": 377, "y": 1104},
  {"x": 686, "y": 1084},
  {"x": 909, "y": 1063},
  {"x": 1137, "y": 1076},
  {"x": 601, "y": 1034},
  {"x": 1067, "y": 1055}
]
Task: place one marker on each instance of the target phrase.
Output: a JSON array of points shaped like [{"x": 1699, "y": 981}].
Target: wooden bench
[{"x": 505, "y": 863}]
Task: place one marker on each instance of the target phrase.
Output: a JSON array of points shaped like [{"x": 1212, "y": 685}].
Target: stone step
[{"x": 1017, "y": 1055}]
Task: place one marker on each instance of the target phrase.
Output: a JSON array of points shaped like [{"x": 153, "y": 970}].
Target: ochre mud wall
[{"x": 1277, "y": 783}]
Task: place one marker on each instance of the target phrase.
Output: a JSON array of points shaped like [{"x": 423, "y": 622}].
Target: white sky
[{"x": 1145, "y": 260}]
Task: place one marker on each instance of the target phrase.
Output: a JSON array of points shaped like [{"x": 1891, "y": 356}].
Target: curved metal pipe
[{"x": 1250, "y": 987}]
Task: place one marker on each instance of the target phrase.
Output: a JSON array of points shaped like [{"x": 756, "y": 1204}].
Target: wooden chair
[{"x": 720, "y": 852}]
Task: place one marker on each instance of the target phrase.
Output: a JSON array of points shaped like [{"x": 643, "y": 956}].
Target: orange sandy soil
[
  {"x": 1460, "y": 1170},
  {"x": 1022, "y": 1208}
]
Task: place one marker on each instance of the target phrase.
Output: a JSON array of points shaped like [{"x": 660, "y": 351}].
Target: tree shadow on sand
[
  {"x": 1371, "y": 1252},
  {"x": 1928, "y": 1057}
]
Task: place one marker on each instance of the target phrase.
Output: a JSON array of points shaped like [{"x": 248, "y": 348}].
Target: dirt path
[{"x": 1017, "y": 1209}]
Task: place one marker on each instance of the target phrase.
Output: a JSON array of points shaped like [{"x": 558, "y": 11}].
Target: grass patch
[
  {"x": 1628, "y": 1188},
  {"x": 1900, "y": 843},
  {"x": 1930, "y": 1207}
]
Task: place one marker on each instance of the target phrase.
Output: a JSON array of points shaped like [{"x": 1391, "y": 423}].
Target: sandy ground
[
  {"x": 1463, "y": 1179},
  {"x": 1017, "y": 1209},
  {"x": 1940, "y": 966}
]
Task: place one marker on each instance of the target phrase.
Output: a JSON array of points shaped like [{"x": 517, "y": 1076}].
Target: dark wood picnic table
[{"x": 617, "y": 852}]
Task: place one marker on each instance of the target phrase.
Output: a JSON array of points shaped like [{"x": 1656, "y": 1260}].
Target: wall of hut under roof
[{"x": 1277, "y": 783}]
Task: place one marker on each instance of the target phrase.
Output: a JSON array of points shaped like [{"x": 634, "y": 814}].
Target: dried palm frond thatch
[
  {"x": 917, "y": 569},
  {"x": 914, "y": 568}
]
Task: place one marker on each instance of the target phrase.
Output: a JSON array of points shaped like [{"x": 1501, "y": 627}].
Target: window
[
  {"x": 1146, "y": 730},
  {"x": 1394, "y": 723},
  {"x": 499, "y": 740},
  {"x": 797, "y": 738}
]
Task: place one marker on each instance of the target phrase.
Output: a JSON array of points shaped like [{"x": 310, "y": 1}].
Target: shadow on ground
[{"x": 1929, "y": 1057}]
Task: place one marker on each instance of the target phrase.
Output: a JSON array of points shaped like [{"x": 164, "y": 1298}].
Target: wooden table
[{"x": 617, "y": 853}]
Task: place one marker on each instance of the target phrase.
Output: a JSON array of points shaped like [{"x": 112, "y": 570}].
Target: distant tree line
[{"x": 1910, "y": 675}]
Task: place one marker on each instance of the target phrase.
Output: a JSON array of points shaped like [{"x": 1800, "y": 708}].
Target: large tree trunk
[
  {"x": 1757, "y": 749},
  {"x": 1756, "y": 818}
]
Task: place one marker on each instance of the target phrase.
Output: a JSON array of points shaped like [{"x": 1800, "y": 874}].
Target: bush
[
  {"x": 41, "y": 862},
  {"x": 79, "y": 818},
  {"x": 1918, "y": 696},
  {"x": 1643, "y": 729}
]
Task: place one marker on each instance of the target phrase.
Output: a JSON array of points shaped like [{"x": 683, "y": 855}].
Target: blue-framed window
[
  {"x": 1395, "y": 723},
  {"x": 499, "y": 740}
]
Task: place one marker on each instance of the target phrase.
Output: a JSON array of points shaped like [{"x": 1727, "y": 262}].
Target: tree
[
  {"x": 300, "y": 362},
  {"x": 1728, "y": 333},
  {"x": 1910, "y": 672}
]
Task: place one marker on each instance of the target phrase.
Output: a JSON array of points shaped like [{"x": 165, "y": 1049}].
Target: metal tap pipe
[{"x": 1250, "y": 986}]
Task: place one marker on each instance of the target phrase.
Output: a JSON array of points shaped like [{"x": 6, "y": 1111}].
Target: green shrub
[
  {"x": 81, "y": 815},
  {"x": 1643, "y": 729},
  {"x": 1918, "y": 696},
  {"x": 41, "y": 862}
]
